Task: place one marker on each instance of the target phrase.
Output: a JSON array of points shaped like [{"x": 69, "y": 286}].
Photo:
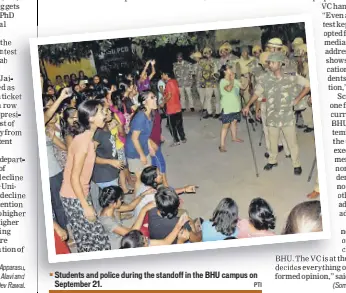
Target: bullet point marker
[{"x": 51, "y": 274}]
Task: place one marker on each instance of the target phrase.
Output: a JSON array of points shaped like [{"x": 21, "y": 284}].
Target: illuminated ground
[{"x": 232, "y": 174}]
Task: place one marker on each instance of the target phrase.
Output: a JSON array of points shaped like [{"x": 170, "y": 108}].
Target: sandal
[{"x": 222, "y": 150}]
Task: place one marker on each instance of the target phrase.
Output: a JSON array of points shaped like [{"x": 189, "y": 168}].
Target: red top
[
  {"x": 173, "y": 105},
  {"x": 156, "y": 131}
]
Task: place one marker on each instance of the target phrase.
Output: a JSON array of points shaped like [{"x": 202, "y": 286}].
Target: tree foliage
[
  {"x": 182, "y": 39},
  {"x": 72, "y": 52},
  {"x": 286, "y": 32}
]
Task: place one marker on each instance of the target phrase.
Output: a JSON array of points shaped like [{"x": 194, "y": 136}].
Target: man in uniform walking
[
  {"x": 261, "y": 107},
  {"x": 183, "y": 74},
  {"x": 282, "y": 94}
]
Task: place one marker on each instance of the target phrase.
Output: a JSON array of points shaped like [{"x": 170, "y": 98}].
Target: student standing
[
  {"x": 231, "y": 105},
  {"x": 88, "y": 233},
  {"x": 174, "y": 112}
]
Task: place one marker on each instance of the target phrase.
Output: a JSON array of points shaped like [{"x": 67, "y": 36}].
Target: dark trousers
[
  {"x": 175, "y": 122},
  {"x": 58, "y": 209}
]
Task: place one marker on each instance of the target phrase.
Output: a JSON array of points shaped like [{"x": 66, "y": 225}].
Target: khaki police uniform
[
  {"x": 245, "y": 67},
  {"x": 259, "y": 72},
  {"x": 303, "y": 104},
  {"x": 280, "y": 95}
]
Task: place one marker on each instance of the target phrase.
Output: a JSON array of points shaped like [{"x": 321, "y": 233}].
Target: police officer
[
  {"x": 297, "y": 42},
  {"x": 226, "y": 56},
  {"x": 282, "y": 94},
  {"x": 183, "y": 73},
  {"x": 197, "y": 72},
  {"x": 246, "y": 63},
  {"x": 257, "y": 67},
  {"x": 261, "y": 108},
  {"x": 303, "y": 70},
  {"x": 274, "y": 45},
  {"x": 256, "y": 51},
  {"x": 209, "y": 68}
]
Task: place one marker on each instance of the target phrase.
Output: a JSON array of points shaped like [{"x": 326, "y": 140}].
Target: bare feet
[
  {"x": 237, "y": 140},
  {"x": 222, "y": 149},
  {"x": 313, "y": 194}
]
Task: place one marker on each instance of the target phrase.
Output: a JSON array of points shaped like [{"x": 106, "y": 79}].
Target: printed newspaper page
[{"x": 172, "y": 146}]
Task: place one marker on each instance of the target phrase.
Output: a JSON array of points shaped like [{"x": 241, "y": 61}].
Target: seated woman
[
  {"x": 223, "y": 223},
  {"x": 135, "y": 238},
  {"x": 163, "y": 218},
  {"x": 305, "y": 217},
  {"x": 111, "y": 202},
  {"x": 151, "y": 179},
  {"x": 261, "y": 220}
]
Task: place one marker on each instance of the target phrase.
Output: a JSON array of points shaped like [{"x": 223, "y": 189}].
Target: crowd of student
[{"x": 106, "y": 165}]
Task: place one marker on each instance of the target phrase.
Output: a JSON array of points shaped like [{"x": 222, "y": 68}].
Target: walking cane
[
  {"x": 260, "y": 142},
  {"x": 312, "y": 169},
  {"x": 250, "y": 139}
]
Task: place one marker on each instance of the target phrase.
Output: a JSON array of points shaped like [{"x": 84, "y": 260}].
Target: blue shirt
[
  {"x": 209, "y": 232},
  {"x": 140, "y": 122}
]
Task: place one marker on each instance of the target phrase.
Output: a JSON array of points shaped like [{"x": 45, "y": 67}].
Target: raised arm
[
  {"x": 52, "y": 109},
  {"x": 153, "y": 71},
  {"x": 145, "y": 67}
]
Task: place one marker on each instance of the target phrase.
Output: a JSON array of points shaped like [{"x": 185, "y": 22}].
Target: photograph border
[{"x": 319, "y": 145}]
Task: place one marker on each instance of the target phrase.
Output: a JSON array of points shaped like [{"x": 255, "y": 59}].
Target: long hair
[
  {"x": 66, "y": 128},
  {"x": 117, "y": 99},
  {"x": 143, "y": 96},
  {"x": 110, "y": 195},
  {"x": 261, "y": 215},
  {"x": 304, "y": 218},
  {"x": 225, "y": 217},
  {"x": 86, "y": 110}
]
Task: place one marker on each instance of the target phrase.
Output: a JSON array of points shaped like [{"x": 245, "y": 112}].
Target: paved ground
[{"x": 232, "y": 174}]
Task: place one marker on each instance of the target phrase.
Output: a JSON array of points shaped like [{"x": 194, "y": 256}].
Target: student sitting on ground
[
  {"x": 151, "y": 179},
  {"x": 163, "y": 217},
  {"x": 111, "y": 202},
  {"x": 305, "y": 217},
  {"x": 136, "y": 238},
  {"x": 223, "y": 222},
  {"x": 261, "y": 220}
]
